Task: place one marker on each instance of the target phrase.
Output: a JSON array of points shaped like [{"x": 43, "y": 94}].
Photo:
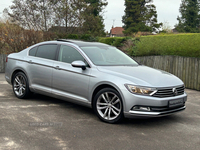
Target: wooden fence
[
  {"x": 2, "y": 62},
  {"x": 186, "y": 68}
]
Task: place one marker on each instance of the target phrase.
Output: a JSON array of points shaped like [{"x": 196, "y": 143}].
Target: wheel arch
[
  {"x": 102, "y": 86},
  {"x": 16, "y": 71}
]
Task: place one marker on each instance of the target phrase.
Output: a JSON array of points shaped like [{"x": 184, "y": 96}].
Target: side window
[
  {"x": 69, "y": 54},
  {"x": 32, "y": 52},
  {"x": 47, "y": 51}
]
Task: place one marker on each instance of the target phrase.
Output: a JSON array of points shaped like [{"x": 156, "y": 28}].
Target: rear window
[{"x": 47, "y": 51}]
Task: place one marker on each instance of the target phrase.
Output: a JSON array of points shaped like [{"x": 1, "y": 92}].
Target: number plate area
[{"x": 177, "y": 102}]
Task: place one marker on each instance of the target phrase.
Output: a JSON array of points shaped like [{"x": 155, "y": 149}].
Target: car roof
[{"x": 82, "y": 43}]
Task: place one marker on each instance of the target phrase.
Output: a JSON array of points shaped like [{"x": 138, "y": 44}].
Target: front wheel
[
  {"x": 108, "y": 105},
  {"x": 20, "y": 85}
]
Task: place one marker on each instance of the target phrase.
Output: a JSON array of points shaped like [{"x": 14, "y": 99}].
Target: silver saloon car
[{"x": 95, "y": 75}]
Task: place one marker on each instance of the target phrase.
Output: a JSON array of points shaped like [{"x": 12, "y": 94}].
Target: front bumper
[
  {"x": 157, "y": 106},
  {"x": 133, "y": 114}
]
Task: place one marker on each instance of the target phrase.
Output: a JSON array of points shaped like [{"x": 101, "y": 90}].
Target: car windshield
[{"x": 107, "y": 56}]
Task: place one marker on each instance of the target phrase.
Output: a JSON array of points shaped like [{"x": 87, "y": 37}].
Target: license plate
[{"x": 177, "y": 102}]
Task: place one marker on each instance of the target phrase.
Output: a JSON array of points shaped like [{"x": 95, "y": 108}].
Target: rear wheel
[
  {"x": 21, "y": 86},
  {"x": 108, "y": 105}
]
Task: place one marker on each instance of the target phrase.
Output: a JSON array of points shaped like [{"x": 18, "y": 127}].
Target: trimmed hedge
[
  {"x": 187, "y": 44},
  {"x": 168, "y": 44}
]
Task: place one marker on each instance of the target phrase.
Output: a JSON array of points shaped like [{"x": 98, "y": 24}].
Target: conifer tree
[
  {"x": 189, "y": 21},
  {"x": 140, "y": 15}
]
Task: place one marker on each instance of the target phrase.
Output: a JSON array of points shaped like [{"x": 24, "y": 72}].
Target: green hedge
[
  {"x": 114, "y": 41},
  {"x": 168, "y": 44},
  {"x": 84, "y": 37},
  {"x": 163, "y": 44}
]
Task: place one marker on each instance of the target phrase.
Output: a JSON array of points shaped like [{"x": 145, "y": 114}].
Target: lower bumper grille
[
  {"x": 161, "y": 109},
  {"x": 133, "y": 114}
]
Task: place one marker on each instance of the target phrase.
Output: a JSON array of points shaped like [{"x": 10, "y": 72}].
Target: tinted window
[
  {"x": 47, "y": 51},
  {"x": 69, "y": 54},
  {"x": 32, "y": 52}
]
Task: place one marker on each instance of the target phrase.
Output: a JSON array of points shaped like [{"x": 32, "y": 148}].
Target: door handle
[
  {"x": 57, "y": 68},
  {"x": 30, "y": 62}
]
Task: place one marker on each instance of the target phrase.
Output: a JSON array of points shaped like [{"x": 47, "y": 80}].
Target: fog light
[{"x": 141, "y": 108}]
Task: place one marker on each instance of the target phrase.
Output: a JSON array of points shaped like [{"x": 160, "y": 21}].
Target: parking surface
[{"x": 41, "y": 123}]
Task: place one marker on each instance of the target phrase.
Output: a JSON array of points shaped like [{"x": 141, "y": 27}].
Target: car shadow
[
  {"x": 151, "y": 121},
  {"x": 50, "y": 100},
  {"x": 156, "y": 121}
]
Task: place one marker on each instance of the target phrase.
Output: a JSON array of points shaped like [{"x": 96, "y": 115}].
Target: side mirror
[{"x": 79, "y": 64}]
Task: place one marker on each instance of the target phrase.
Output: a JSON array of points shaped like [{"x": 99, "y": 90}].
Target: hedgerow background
[{"x": 14, "y": 39}]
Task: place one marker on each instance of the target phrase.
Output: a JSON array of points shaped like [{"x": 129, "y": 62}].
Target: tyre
[
  {"x": 20, "y": 85},
  {"x": 108, "y": 105}
]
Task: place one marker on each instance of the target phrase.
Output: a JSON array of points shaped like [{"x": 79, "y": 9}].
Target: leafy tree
[
  {"x": 189, "y": 21},
  {"x": 140, "y": 15},
  {"x": 166, "y": 28},
  {"x": 67, "y": 13},
  {"x": 76, "y": 16},
  {"x": 31, "y": 14}
]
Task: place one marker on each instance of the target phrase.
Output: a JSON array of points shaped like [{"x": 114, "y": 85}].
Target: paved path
[{"x": 44, "y": 123}]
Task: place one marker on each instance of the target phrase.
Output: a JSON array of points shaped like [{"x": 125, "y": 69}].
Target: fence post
[{"x": 2, "y": 62}]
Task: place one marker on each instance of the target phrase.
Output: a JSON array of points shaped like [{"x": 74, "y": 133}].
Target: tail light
[{"x": 6, "y": 59}]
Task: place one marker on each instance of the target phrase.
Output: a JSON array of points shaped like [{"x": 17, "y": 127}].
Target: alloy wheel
[
  {"x": 19, "y": 85},
  {"x": 109, "y": 106}
]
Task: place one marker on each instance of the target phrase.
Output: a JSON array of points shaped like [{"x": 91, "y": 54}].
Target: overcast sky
[{"x": 167, "y": 11}]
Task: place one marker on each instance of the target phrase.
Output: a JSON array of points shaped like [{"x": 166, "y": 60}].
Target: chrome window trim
[{"x": 59, "y": 43}]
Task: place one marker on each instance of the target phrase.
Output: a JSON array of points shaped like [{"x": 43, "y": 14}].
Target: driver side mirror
[{"x": 79, "y": 64}]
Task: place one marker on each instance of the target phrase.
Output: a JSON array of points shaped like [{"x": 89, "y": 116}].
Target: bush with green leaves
[
  {"x": 114, "y": 41},
  {"x": 167, "y": 44}
]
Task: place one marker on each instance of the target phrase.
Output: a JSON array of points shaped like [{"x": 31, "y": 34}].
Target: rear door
[
  {"x": 41, "y": 59},
  {"x": 70, "y": 82}
]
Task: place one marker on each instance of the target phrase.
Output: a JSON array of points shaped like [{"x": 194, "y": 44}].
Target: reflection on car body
[{"x": 95, "y": 75}]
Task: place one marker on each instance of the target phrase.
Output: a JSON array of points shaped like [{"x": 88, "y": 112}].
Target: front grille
[{"x": 169, "y": 92}]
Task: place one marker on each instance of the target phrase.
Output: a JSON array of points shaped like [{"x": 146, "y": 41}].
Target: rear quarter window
[
  {"x": 33, "y": 51},
  {"x": 47, "y": 51}
]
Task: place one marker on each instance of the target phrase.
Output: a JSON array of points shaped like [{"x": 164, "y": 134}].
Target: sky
[{"x": 167, "y": 11}]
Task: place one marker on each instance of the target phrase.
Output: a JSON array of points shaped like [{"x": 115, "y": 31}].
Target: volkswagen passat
[{"x": 95, "y": 75}]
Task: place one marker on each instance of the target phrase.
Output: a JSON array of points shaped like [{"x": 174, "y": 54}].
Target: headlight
[{"x": 141, "y": 90}]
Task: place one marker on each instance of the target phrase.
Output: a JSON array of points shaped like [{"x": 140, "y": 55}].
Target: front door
[{"x": 70, "y": 82}]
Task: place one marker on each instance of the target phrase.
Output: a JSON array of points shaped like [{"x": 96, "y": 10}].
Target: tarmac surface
[{"x": 45, "y": 123}]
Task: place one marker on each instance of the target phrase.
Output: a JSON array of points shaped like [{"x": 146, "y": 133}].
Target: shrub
[
  {"x": 72, "y": 36},
  {"x": 114, "y": 41},
  {"x": 62, "y": 35},
  {"x": 168, "y": 44},
  {"x": 107, "y": 40},
  {"x": 13, "y": 38},
  {"x": 85, "y": 37}
]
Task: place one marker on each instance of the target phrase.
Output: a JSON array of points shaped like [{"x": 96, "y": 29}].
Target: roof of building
[{"x": 117, "y": 30}]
